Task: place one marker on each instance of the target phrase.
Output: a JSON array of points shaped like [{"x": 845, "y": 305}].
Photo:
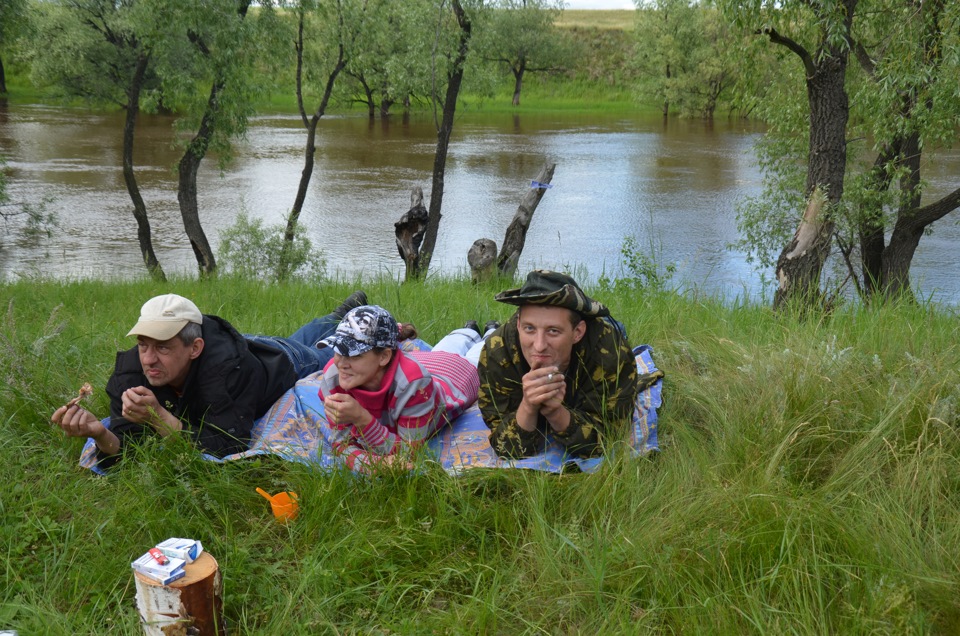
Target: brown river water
[{"x": 673, "y": 187}]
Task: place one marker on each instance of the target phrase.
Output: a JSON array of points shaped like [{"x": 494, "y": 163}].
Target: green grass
[
  {"x": 808, "y": 484},
  {"x": 607, "y": 19}
]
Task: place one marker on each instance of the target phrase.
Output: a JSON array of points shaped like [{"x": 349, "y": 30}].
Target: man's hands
[
  {"x": 544, "y": 388},
  {"x": 543, "y": 391},
  {"x": 140, "y": 405},
  {"x": 79, "y": 422},
  {"x": 343, "y": 411}
]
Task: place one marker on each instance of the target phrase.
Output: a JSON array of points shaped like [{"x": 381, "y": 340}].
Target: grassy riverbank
[
  {"x": 602, "y": 81},
  {"x": 808, "y": 484}
]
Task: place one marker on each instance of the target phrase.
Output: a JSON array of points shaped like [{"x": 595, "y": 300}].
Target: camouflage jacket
[{"x": 601, "y": 391}]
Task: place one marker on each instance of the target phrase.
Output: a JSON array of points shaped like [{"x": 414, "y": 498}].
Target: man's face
[
  {"x": 167, "y": 362},
  {"x": 547, "y": 337}
]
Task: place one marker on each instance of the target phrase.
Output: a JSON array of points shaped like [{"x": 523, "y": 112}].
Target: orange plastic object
[{"x": 283, "y": 504}]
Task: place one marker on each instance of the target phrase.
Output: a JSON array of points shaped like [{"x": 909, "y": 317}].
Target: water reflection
[{"x": 671, "y": 186}]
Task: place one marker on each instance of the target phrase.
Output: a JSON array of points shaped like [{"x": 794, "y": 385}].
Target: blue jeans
[{"x": 301, "y": 347}]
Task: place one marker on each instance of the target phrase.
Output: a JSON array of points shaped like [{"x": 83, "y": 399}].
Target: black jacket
[{"x": 232, "y": 382}]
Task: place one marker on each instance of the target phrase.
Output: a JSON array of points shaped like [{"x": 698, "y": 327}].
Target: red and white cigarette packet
[{"x": 160, "y": 557}]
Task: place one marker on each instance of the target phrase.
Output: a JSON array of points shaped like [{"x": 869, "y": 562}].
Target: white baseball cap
[{"x": 162, "y": 317}]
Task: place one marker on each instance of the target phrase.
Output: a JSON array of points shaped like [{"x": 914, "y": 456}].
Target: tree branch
[
  {"x": 801, "y": 52},
  {"x": 938, "y": 209},
  {"x": 866, "y": 62}
]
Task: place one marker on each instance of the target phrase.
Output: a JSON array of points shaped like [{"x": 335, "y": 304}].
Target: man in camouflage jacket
[{"x": 561, "y": 366}]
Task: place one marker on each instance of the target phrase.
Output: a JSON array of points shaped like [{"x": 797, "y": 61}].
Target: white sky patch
[{"x": 600, "y": 4}]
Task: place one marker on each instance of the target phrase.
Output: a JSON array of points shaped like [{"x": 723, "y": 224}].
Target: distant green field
[{"x": 623, "y": 20}]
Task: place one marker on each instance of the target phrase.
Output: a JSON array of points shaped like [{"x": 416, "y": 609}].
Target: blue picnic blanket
[{"x": 296, "y": 429}]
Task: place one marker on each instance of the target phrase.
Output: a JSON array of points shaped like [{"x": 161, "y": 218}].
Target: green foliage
[
  {"x": 641, "y": 270},
  {"x": 72, "y": 55},
  {"x": 807, "y": 484},
  {"x": 901, "y": 85},
  {"x": 688, "y": 57},
  {"x": 212, "y": 43},
  {"x": 394, "y": 54},
  {"x": 520, "y": 37},
  {"x": 37, "y": 222},
  {"x": 250, "y": 250}
]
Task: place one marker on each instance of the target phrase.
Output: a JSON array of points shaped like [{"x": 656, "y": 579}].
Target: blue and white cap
[{"x": 362, "y": 329}]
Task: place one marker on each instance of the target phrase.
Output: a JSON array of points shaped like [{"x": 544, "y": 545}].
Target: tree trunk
[
  {"x": 871, "y": 225},
  {"x": 798, "y": 270},
  {"x": 801, "y": 261},
  {"x": 665, "y": 107},
  {"x": 516, "y": 234},
  {"x": 409, "y": 231},
  {"x": 187, "y": 187},
  {"x": 368, "y": 95},
  {"x": 454, "y": 80},
  {"x": 3, "y": 78},
  {"x": 906, "y": 236},
  {"x": 139, "y": 207},
  {"x": 190, "y": 605},
  {"x": 190, "y": 164},
  {"x": 310, "y": 148},
  {"x": 518, "y": 80}
]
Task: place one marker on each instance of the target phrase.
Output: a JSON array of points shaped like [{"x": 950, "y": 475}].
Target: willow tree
[
  {"x": 908, "y": 53},
  {"x": 817, "y": 36},
  {"x": 521, "y": 37},
  {"x": 901, "y": 80},
  {"x": 14, "y": 26},
  {"x": 687, "y": 56},
  {"x": 333, "y": 28},
  {"x": 209, "y": 59},
  {"x": 98, "y": 51},
  {"x": 448, "y": 73}
]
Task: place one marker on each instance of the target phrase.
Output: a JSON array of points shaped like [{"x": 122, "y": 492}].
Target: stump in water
[
  {"x": 189, "y": 606},
  {"x": 410, "y": 229},
  {"x": 482, "y": 258},
  {"x": 516, "y": 234}
]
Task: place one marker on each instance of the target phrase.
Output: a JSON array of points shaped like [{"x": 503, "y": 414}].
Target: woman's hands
[{"x": 343, "y": 411}]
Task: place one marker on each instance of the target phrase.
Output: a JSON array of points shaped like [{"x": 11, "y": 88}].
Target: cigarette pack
[
  {"x": 186, "y": 549},
  {"x": 163, "y": 574}
]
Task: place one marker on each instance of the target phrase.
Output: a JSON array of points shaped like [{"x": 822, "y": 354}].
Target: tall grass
[{"x": 808, "y": 484}]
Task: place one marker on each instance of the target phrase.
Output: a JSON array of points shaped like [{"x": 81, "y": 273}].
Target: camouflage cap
[
  {"x": 362, "y": 329},
  {"x": 544, "y": 287}
]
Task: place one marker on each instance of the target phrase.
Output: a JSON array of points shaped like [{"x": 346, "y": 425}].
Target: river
[{"x": 672, "y": 187}]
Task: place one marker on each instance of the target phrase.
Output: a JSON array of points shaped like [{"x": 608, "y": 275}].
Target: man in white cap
[{"x": 195, "y": 373}]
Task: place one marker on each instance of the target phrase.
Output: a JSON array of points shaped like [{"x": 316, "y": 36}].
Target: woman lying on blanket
[{"x": 378, "y": 398}]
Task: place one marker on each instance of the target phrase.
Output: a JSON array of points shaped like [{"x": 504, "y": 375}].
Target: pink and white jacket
[{"x": 421, "y": 392}]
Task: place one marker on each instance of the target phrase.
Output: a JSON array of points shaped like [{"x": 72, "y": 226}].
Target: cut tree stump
[
  {"x": 410, "y": 229},
  {"x": 516, "y": 234},
  {"x": 189, "y": 606},
  {"x": 482, "y": 258}
]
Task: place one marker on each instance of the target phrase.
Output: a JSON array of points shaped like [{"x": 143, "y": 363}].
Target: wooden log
[
  {"x": 189, "y": 606},
  {"x": 482, "y": 258},
  {"x": 410, "y": 229},
  {"x": 516, "y": 234}
]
